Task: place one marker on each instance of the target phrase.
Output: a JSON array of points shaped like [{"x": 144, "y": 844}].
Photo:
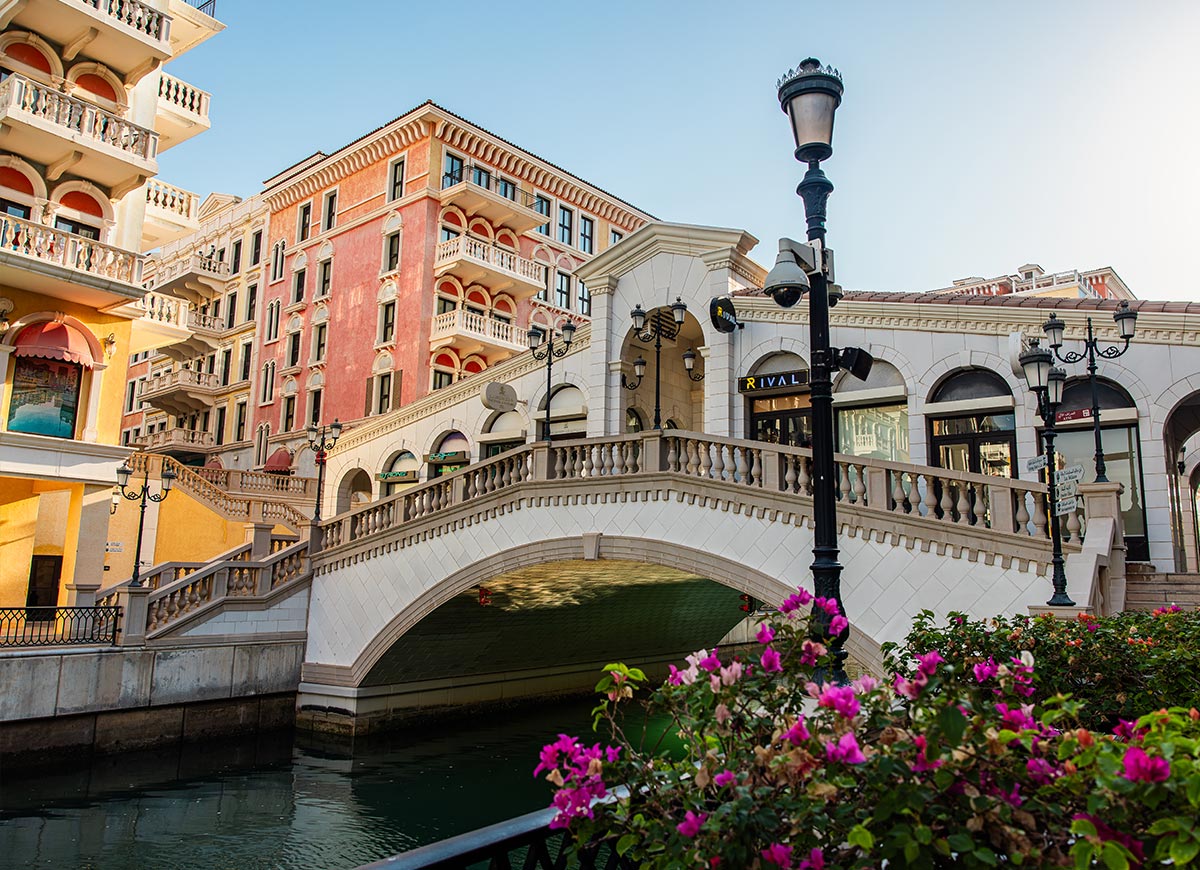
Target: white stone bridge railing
[{"x": 1003, "y": 516}]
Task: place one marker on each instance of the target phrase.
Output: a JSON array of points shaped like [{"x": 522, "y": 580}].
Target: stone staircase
[{"x": 1148, "y": 590}]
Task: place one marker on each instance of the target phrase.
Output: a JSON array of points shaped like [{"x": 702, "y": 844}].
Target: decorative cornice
[{"x": 662, "y": 237}]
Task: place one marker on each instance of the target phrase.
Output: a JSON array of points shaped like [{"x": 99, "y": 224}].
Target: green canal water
[{"x": 279, "y": 802}]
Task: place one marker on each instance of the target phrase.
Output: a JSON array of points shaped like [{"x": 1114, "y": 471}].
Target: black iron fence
[
  {"x": 208, "y": 7},
  {"x": 484, "y": 178},
  {"x": 525, "y": 842},
  {"x": 58, "y": 626}
]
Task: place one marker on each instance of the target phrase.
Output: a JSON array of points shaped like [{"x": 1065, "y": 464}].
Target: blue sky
[{"x": 973, "y": 137}]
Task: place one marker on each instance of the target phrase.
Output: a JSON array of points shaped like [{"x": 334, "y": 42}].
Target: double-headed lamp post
[
  {"x": 143, "y": 493},
  {"x": 549, "y": 353},
  {"x": 1126, "y": 320},
  {"x": 1046, "y": 382},
  {"x": 321, "y": 439},
  {"x": 656, "y": 329}
]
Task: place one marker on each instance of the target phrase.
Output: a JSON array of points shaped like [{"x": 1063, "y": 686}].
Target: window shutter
[
  {"x": 370, "y": 397},
  {"x": 397, "y": 377}
]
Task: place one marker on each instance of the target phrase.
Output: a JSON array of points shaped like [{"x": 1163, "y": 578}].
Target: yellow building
[{"x": 85, "y": 109}]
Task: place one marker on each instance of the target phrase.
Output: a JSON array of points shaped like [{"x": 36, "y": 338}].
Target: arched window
[
  {"x": 970, "y": 384},
  {"x": 568, "y": 413},
  {"x": 48, "y": 370},
  {"x": 633, "y": 421},
  {"x": 453, "y": 451},
  {"x": 506, "y": 431},
  {"x": 872, "y": 415},
  {"x": 403, "y": 471},
  {"x": 975, "y": 428}
]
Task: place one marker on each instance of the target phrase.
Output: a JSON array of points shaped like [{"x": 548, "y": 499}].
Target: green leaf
[
  {"x": 1083, "y": 828},
  {"x": 984, "y": 855},
  {"x": 1193, "y": 791},
  {"x": 962, "y": 843},
  {"x": 1082, "y": 852},
  {"x": 911, "y": 851},
  {"x": 626, "y": 843},
  {"x": 952, "y": 723},
  {"x": 861, "y": 837},
  {"x": 923, "y": 834},
  {"x": 1184, "y": 850}
]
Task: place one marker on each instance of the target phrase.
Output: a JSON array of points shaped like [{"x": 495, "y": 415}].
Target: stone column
[
  {"x": 603, "y": 408},
  {"x": 84, "y": 543},
  {"x": 258, "y": 536},
  {"x": 1103, "y": 501},
  {"x": 134, "y": 604},
  {"x": 92, "y": 418}
]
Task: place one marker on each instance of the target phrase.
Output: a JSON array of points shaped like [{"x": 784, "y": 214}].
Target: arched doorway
[
  {"x": 778, "y": 408},
  {"x": 452, "y": 452},
  {"x": 872, "y": 415},
  {"x": 568, "y": 413},
  {"x": 679, "y": 396},
  {"x": 401, "y": 472},
  {"x": 505, "y": 432},
  {"x": 972, "y": 426},
  {"x": 354, "y": 490}
]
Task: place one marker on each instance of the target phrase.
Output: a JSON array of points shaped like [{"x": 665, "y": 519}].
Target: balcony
[
  {"x": 182, "y": 111},
  {"x": 192, "y": 22},
  {"x": 181, "y": 392},
  {"x": 129, "y": 37},
  {"x": 177, "y": 440},
  {"x": 66, "y": 133},
  {"x": 171, "y": 213},
  {"x": 474, "y": 261},
  {"x": 196, "y": 278},
  {"x": 56, "y": 263},
  {"x": 482, "y": 194},
  {"x": 469, "y": 333}
]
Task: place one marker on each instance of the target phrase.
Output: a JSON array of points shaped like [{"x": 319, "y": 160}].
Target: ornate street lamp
[
  {"x": 567, "y": 333},
  {"x": 143, "y": 493},
  {"x": 658, "y": 327},
  {"x": 1046, "y": 382},
  {"x": 1126, "y": 320},
  {"x": 321, "y": 439},
  {"x": 689, "y": 363}
]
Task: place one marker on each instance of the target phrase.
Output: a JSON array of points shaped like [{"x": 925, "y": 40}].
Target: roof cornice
[{"x": 718, "y": 246}]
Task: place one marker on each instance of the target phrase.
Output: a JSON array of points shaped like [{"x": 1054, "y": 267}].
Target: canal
[{"x": 279, "y": 801}]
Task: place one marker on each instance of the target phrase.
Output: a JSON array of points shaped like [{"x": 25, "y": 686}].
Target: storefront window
[
  {"x": 879, "y": 432},
  {"x": 401, "y": 472},
  {"x": 1122, "y": 465},
  {"x": 633, "y": 421},
  {"x": 45, "y": 397},
  {"x": 782, "y": 420}
]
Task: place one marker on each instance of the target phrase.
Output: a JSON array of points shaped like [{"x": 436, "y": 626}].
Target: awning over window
[
  {"x": 50, "y": 340},
  {"x": 279, "y": 462}
]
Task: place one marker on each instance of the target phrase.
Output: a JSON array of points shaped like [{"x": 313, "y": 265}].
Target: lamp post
[
  {"x": 321, "y": 443},
  {"x": 143, "y": 493},
  {"x": 567, "y": 333},
  {"x": 810, "y": 94},
  {"x": 656, "y": 329},
  {"x": 1046, "y": 381},
  {"x": 1126, "y": 320},
  {"x": 689, "y": 364}
]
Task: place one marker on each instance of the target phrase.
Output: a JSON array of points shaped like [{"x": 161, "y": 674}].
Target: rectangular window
[
  {"x": 231, "y": 311},
  {"x": 277, "y": 253},
  {"x": 393, "y": 253},
  {"x": 247, "y": 352},
  {"x": 324, "y": 277},
  {"x": 130, "y": 396},
  {"x": 566, "y": 228},
  {"x": 226, "y": 364},
  {"x": 585, "y": 300},
  {"x": 453, "y": 171},
  {"x": 15, "y": 209},
  {"x": 481, "y": 176},
  {"x": 383, "y": 393},
  {"x": 542, "y": 206},
  {"x": 304, "y": 222},
  {"x": 562, "y": 294},
  {"x": 319, "y": 337},
  {"x": 387, "y": 322},
  {"x": 268, "y": 386},
  {"x": 445, "y": 306},
  {"x": 255, "y": 251},
  {"x": 273, "y": 321},
  {"x": 506, "y": 189},
  {"x": 587, "y": 234},
  {"x": 614, "y": 237},
  {"x": 396, "y": 181},
  {"x": 447, "y": 234},
  {"x": 442, "y": 379},
  {"x": 211, "y": 363},
  {"x": 220, "y": 431},
  {"x": 293, "y": 349},
  {"x": 251, "y": 301},
  {"x": 289, "y": 413},
  {"x": 329, "y": 213},
  {"x": 298, "y": 286},
  {"x": 239, "y": 425},
  {"x": 314, "y": 407},
  {"x": 235, "y": 265}
]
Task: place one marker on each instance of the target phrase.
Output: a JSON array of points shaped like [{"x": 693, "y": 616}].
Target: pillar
[{"x": 84, "y": 543}]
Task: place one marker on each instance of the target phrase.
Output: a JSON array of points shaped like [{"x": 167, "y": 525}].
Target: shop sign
[
  {"x": 775, "y": 381},
  {"x": 1077, "y": 414},
  {"x": 114, "y": 547},
  {"x": 452, "y": 456},
  {"x": 1074, "y": 474},
  {"x": 1036, "y": 464},
  {"x": 1066, "y": 505},
  {"x": 723, "y": 315},
  {"x": 396, "y": 476}
]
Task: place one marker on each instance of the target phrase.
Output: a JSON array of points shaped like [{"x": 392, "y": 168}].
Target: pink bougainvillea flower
[
  {"x": 682, "y": 678},
  {"x": 724, "y": 778},
  {"x": 714, "y": 683},
  {"x": 770, "y": 660},
  {"x": 1105, "y": 833},
  {"x": 1016, "y": 718},
  {"x": 911, "y": 689},
  {"x": 765, "y": 634},
  {"x": 864, "y": 684},
  {"x": 690, "y": 826},
  {"x": 837, "y": 625},
  {"x": 810, "y": 651},
  {"x": 829, "y": 605},
  {"x": 1041, "y": 771},
  {"x": 797, "y": 733},
  {"x": 612, "y": 753},
  {"x": 1140, "y": 767},
  {"x": 846, "y": 750},
  {"x": 710, "y": 663},
  {"x": 791, "y": 604},
  {"x": 814, "y": 861},
  {"x": 922, "y": 762},
  {"x": 731, "y": 673},
  {"x": 778, "y": 854},
  {"x": 928, "y": 663},
  {"x": 722, "y": 713},
  {"x": 984, "y": 671},
  {"x": 839, "y": 698}
]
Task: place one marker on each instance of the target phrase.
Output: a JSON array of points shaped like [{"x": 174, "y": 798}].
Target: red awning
[
  {"x": 50, "y": 340},
  {"x": 214, "y": 462},
  {"x": 279, "y": 462}
]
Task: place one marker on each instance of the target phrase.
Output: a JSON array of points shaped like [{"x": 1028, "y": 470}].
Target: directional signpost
[
  {"x": 1036, "y": 464},
  {"x": 1074, "y": 474},
  {"x": 1066, "y": 505}
]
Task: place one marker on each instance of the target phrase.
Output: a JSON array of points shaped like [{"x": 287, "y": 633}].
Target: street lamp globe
[
  {"x": 1036, "y": 364},
  {"x": 123, "y": 475},
  {"x": 810, "y": 94},
  {"x": 568, "y": 332},
  {"x": 1054, "y": 331},
  {"x": 336, "y": 429},
  {"x": 1126, "y": 320},
  {"x": 638, "y": 316},
  {"x": 689, "y": 359},
  {"x": 639, "y": 367},
  {"x": 678, "y": 310},
  {"x": 168, "y": 478},
  {"x": 535, "y": 338},
  {"x": 1055, "y": 381},
  {"x": 312, "y": 433}
]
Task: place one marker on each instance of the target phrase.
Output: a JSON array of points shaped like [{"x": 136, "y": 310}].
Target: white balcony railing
[
  {"x": 478, "y": 251},
  {"x": 182, "y": 96},
  {"x": 194, "y": 264},
  {"x": 140, "y": 16},
  {"x": 69, "y": 250},
  {"x": 179, "y": 203},
  {"x": 207, "y": 322},
  {"x": 75, "y": 117},
  {"x": 157, "y": 308},
  {"x": 180, "y": 378},
  {"x": 479, "y": 326},
  {"x": 176, "y": 437}
]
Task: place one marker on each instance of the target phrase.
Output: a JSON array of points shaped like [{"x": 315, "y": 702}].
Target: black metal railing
[
  {"x": 488, "y": 180},
  {"x": 208, "y": 7},
  {"x": 58, "y": 626},
  {"x": 525, "y": 842}
]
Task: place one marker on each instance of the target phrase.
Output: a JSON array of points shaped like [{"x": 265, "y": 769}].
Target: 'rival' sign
[{"x": 773, "y": 381}]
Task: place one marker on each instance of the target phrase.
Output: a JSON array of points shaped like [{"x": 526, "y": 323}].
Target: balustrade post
[
  {"x": 541, "y": 462},
  {"x": 1000, "y": 506},
  {"x": 1103, "y": 501},
  {"x": 133, "y": 601},
  {"x": 258, "y": 536},
  {"x": 772, "y": 467},
  {"x": 878, "y": 494},
  {"x": 220, "y": 584},
  {"x": 653, "y": 457}
]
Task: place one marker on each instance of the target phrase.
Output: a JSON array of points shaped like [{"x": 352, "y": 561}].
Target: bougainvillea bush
[
  {"x": 1119, "y": 667},
  {"x": 932, "y": 768}
]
